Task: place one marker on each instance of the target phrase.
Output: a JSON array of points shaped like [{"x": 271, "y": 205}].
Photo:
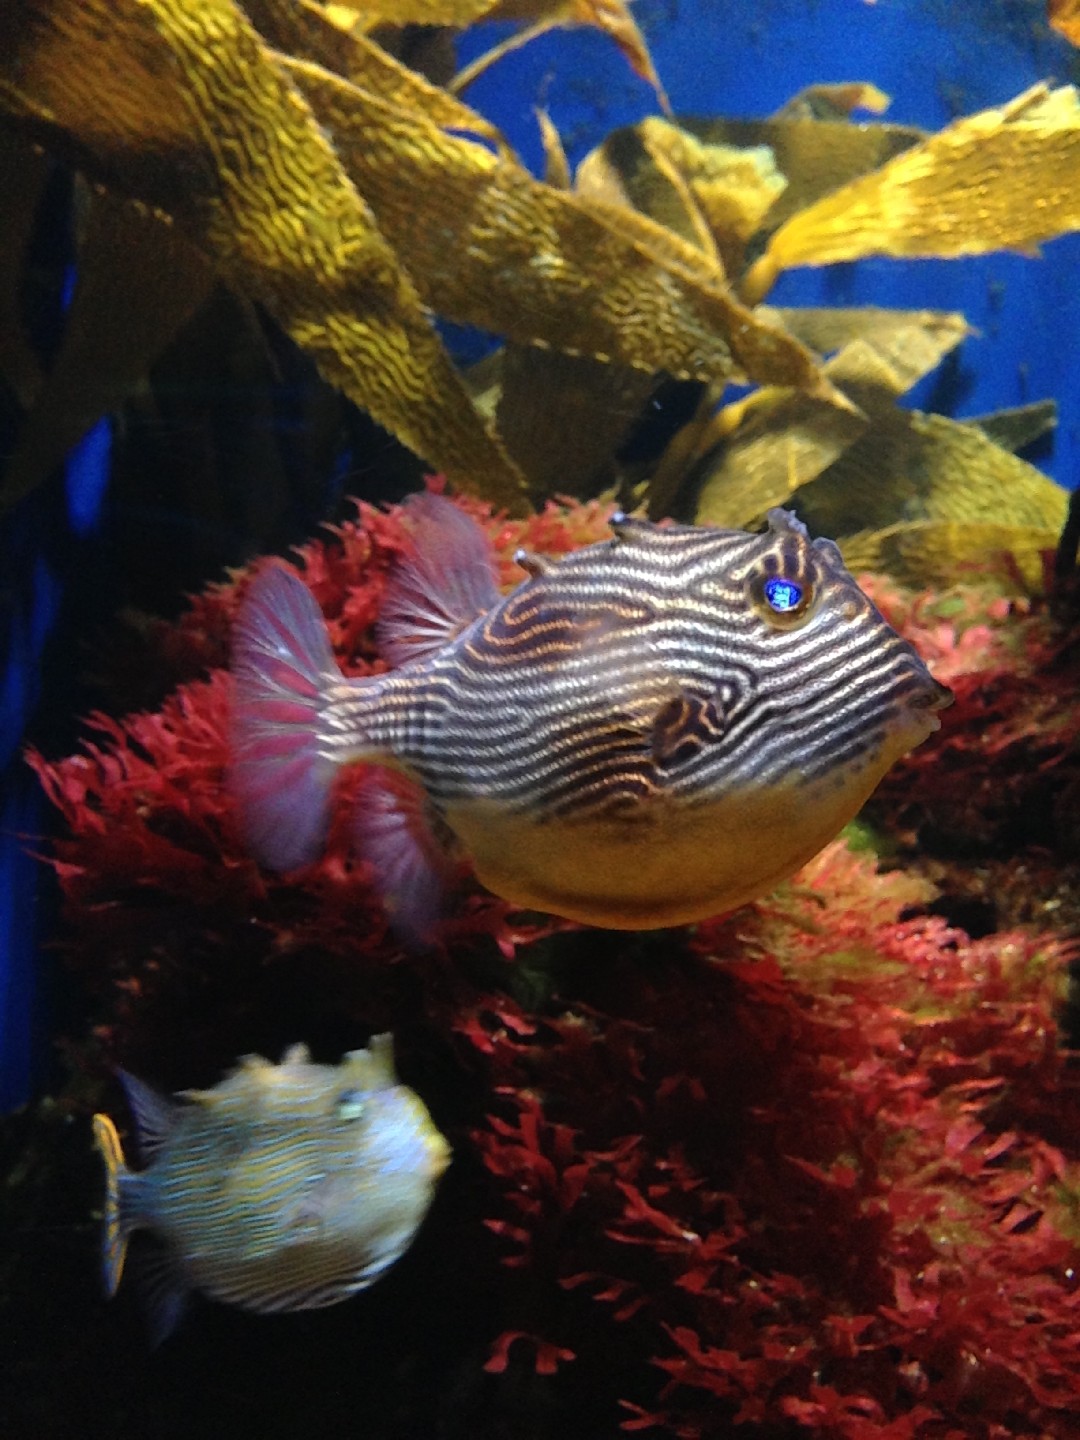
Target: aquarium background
[
  {"x": 137, "y": 520},
  {"x": 84, "y": 546}
]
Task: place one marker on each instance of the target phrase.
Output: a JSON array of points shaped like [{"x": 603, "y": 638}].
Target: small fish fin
[
  {"x": 683, "y": 726},
  {"x": 373, "y": 1068},
  {"x": 627, "y": 526},
  {"x": 280, "y": 776},
  {"x": 163, "y": 1290},
  {"x": 439, "y": 586},
  {"x": 380, "y": 1052},
  {"x": 394, "y": 832},
  {"x": 115, "y": 1231},
  {"x": 533, "y": 565},
  {"x": 154, "y": 1114}
]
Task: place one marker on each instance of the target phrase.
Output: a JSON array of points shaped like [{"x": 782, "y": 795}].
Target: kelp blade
[
  {"x": 503, "y": 251},
  {"x": 1001, "y": 179},
  {"x": 180, "y": 102},
  {"x": 1009, "y": 559},
  {"x": 780, "y": 440},
  {"x": 928, "y": 467}
]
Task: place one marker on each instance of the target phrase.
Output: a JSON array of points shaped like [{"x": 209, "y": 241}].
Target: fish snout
[
  {"x": 925, "y": 697},
  {"x": 941, "y": 697},
  {"x": 439, "y": 1155}
]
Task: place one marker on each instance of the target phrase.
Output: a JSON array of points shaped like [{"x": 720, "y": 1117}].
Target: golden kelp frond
[
  {"x": 1064, "y": 17},
  {"x": 179, "y": 102},
  {"x": 815, "y": 157},
  {"x": 782, "y": 441},
  {"x": 834, "y": 101},
  {"x": 138, "y": 280},
  {"x": 503, "y": 251},
  {"x": 883, "y": 363},
  {"x": 913, "y": 340},
  {"x": 812, "y": 157},
  {"x": 731, "y": 188},
  {"x": 563, "y": 418},
  {"x": 309, "y": 31},
  {"x": 1019, "y": 426},
  {"x": 1002, "y": 179},
  {"x": 771, "y": 446},
  {"x": 684, "y": 216},
  {"x": 556, "y": 165},
  {"x": 612, "y": 17},
  {"x": 923, "y": 553},
  {"x": 413, "y": 12},
  {"x": 913, "y": 466}
]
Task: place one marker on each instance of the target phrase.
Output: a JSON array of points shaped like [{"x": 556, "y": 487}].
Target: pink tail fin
[{"x": 280, "y": 776}]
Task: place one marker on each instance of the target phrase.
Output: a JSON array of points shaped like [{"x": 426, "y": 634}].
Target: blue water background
[
  {"x": 716, "y": 57},
  {"x": 936, "y": 59}
]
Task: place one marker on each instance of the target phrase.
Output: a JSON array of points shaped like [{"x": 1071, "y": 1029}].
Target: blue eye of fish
[
  {"x": 783, "y": 595},
  {"x": 349, "y": 1105}
]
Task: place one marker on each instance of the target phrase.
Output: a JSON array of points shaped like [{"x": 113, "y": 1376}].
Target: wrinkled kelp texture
[
  {"x": 282, "y": 153},
  {"x": 346, "y": 195},
  {"x": 809, "y": 1169}
]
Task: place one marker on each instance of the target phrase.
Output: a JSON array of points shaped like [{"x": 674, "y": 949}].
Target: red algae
[
  {"x": 811, "y": 1168},
  {"x": 1005, "y": 768}
]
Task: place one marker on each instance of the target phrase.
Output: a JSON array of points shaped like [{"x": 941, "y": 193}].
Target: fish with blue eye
[
  {"x": 284, "y": 1187},
  {"x": 645, "y": 732}
]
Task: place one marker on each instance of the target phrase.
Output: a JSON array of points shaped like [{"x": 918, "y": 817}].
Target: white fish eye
[{"x": 349, "y": 1105}]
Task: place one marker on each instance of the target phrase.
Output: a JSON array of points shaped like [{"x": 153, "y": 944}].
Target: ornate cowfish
[
  {"x": 284, "y": 1187},
  {"x": 645, "y": 732}
]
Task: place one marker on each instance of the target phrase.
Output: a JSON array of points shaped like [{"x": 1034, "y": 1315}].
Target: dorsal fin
[
  {"x": 154, "y": 1114},
  {"x": 533, "y": 565},
  {"x": 440, "y": 586},
  {"x": 627, "y": 526}
]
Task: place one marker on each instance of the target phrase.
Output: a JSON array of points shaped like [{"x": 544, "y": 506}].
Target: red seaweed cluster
[
  {"x": 809, "y": 1169},
  {"x": 1005, "y": 770}
]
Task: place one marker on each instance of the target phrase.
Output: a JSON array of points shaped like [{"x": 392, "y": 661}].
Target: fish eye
[
  {"x": 783, "y": 595},
  {"x": 781, "y": 600},
  {"x": 349, "y": 1105}
]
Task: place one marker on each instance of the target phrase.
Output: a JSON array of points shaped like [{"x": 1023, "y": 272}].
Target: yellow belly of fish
[{"x": 671, "y": 863}]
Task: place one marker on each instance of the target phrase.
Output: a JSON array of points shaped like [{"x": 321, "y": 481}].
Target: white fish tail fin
[
  {"x": 116, "y": 1226},
  {"x": 282, "y": 771}
]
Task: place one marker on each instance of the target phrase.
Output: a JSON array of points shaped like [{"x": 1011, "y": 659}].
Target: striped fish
[
  {"x": 648, "y": 731},
  {"x": 285, "y": 1187}
]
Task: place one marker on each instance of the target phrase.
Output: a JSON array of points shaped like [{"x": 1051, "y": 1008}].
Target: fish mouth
[
  {"x": 439, "y": 1156},
  {"x": 924, "y": 704}
]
